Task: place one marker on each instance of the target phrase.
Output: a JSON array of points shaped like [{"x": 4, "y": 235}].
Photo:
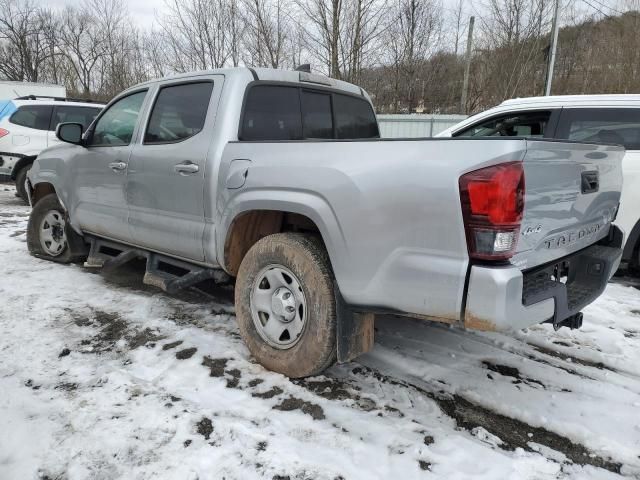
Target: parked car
[
  {"x": 613, "y": 119},
  {"x": 27, "y": 126},
  {"x": 279, "y": 179}
]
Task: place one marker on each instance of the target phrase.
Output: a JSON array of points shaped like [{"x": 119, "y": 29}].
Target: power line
[{"x": 607, "y": 6}]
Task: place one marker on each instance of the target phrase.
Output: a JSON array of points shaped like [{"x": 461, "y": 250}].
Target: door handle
[
  {"x": 186, "y": 168},
  {"x": 118, "y": 166}
]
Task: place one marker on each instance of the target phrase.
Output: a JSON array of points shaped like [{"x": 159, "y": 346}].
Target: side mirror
[{"x": 69, "y": 132}]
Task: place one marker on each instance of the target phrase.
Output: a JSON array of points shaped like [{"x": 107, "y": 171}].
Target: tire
[
  {"x": 21, "y": 176},
  {"x": 49, "y": 209},
  {"x": 304, "y": 260}
]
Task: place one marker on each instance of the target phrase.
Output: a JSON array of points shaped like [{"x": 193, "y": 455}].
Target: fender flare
[{"x": 309, "y": 204}]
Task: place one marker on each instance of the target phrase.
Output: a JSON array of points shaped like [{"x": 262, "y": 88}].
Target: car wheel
[
  {"x": 21, "y": 176},
  {"x": 285, "y": 304},
  {"x": 48, "y": 233}
]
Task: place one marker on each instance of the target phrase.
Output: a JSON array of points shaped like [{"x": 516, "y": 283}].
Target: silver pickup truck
[{"x": 279, "y": 179}]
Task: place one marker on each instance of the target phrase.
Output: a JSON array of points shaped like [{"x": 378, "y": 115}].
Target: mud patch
[
  {"x": 216, "y": 366},
  {"x": 293, "y": 403},
  {"x": 424, "y": 465},
  {"x": 513, "y": 433},
  {"x": 64, "y": 353},
  {"x": 17, "y": 233},
  {"x": 572, "y": 359},
  {"x": 273, "y": 392},
  {"x": 186, "y": 353},
  {"x": 205, "y": 428},
  {"x": 329, "y": 388},
  {"x": 513, "y": 372},
  {"x": 169, "y": 346}
]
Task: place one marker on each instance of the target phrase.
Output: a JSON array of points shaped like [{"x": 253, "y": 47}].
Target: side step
[{"x": 166, "y": 273}]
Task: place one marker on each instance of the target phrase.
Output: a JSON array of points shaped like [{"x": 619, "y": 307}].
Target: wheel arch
[
  {"x": 24, "y": 161},
  {"x": 252, "y": 220}
]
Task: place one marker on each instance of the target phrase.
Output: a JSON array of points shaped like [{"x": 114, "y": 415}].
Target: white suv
[
  {"x": 27, "y": 126},
  {"x": 585, "y": 118}
]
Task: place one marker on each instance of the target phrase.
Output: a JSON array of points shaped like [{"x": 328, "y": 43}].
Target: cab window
[
  {"x": 620, "y": 126},
  {"x": 115, "y": 127},
  {"x": 179, "y": 112},
  {"x": 524, "y": 124}
]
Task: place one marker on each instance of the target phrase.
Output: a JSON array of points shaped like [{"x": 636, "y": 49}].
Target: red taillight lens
[
  {"x": 492, "y": 206},
  {"x": 3, "y": 132}
]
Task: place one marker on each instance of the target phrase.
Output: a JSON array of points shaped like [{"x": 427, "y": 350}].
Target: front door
[
  {"x": 166, "y": 178},
  {"x": 101, "y": 170}
]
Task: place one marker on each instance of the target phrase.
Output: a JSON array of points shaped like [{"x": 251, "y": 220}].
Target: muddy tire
[
  {"x": 21, "y": 176},
  {"x": 49, "y": 235},
  {"x": 286, "y": 279}
]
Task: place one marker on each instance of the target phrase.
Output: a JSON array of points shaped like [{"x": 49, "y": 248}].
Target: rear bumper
[{"x": 509, "y": 299}]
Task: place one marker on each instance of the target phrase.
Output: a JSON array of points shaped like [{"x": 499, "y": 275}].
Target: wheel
[
  {"x": 285, "y": 304},
  {"x": 21, "y": 176},
  {"x": 48, "y": 234}
]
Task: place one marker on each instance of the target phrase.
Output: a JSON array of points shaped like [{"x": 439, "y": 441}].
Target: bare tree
[
  {"x": 25, "y": 47},
  {"x": 266, "y": 24}
]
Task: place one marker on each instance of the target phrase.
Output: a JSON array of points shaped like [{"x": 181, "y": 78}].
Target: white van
[{"x": 585, "y": 118}]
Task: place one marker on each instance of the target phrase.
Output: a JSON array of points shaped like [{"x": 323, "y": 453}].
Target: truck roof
[
  {"x": 268, "y": 74},
  {"x": 571, "y": 100}
]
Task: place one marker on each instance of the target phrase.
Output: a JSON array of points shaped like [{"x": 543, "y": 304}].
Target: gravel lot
[{"x": 102, "y": 377}]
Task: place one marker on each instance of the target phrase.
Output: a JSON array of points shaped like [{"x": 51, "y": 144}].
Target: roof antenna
[{"x": 305, "y": 67}]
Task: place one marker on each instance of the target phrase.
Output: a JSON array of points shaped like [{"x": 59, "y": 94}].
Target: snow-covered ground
[{"x": 102, "y": 377}]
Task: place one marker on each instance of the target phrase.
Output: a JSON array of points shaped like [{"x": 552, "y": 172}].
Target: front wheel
[
  {"x": 285, "y": 304},
  {"x": 48, "y": 233}
]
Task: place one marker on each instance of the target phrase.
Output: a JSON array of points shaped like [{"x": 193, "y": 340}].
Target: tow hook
[{"x": 572, "y": 322}]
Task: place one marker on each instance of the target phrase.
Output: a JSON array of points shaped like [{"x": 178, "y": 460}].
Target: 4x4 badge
[{"x": 529, "y": 230}]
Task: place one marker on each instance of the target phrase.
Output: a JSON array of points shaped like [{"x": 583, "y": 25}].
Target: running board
[{"x": 166, "y": 273}]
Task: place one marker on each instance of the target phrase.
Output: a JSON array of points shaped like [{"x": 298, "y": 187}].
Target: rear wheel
[
  {"x": 21, "y": 177},
  {"x": 285, "y": 304},
  {"x": 48, "y": 233}
]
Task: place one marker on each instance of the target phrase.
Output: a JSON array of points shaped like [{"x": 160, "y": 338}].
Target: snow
[{"x": 91, "y": 388}]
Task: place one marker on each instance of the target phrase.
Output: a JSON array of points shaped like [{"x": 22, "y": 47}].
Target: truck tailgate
[{"x": 572, "y": 193}]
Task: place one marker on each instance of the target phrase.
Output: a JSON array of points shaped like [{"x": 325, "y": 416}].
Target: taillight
[
  {"x": 3, "y": 132},
  {"x": 492, "y": 206}
]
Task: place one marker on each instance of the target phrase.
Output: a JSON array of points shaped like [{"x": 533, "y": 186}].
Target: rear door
[
  {"x": 619, "y": 126},
  {"x": 166, "y": 178},
  {"x": 100, "y": 171}
]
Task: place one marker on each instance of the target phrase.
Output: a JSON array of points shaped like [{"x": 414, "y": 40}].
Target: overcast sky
[{"x": 144, "y": 11}]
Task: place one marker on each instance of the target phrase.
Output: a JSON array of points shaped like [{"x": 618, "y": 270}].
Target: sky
[{"x": 144, "y": 12}]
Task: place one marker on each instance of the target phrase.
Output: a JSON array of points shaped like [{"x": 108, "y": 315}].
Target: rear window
[
  {"x": 354, "y": 118},
  {"x": 619, "y": 126},
  {"x": 272, "y": 113},
  {"x": 275, "y": 112},
  {"x": 32, "y": 116},
  {"x": 68, "y": 113},
  {"x": 317, "y": 118}
]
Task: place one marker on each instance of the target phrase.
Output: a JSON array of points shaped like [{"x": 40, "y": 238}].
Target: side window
[
  {"x": 620, "y": 126},
  {"x": 521, "y": 124},
  {"x": 179, "y": 112},
  {"x": 354, "y": 118},
  {"x": 68, "y": 113},
  {"x": 272, "y": 112},
  {"x": 317, "y": 119},
  {"x": 115, "y": 127},
  {"x": 32, "y": 116}
]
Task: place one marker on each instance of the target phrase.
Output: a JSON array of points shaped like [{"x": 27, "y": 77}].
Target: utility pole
[
  {"x": 467, "y": 67},
  {"x": 554, "y": 45}
]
